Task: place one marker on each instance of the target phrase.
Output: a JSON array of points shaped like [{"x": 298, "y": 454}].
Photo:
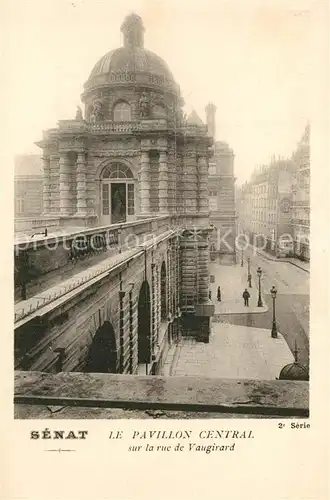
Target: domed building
[{"x": 131, "y": 153}]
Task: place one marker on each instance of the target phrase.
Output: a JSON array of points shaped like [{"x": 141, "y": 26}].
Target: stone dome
[
  {"x": 131, "y": 63},
  {"x": 135, "y": 59},
  {"x": 294, "y": 371}
]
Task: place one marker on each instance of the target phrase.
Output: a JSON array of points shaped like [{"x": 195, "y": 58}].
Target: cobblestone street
[
  {"x": 241, "y": 345},
  {"x": 234, "y": 352},
  {"x": 233, "y": 281}
]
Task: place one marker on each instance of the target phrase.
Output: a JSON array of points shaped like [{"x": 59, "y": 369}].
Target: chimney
[{"x": 210, "y": 118}]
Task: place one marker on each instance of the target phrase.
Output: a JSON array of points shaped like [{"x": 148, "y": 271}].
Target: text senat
[{"x": 58, "y": 434}]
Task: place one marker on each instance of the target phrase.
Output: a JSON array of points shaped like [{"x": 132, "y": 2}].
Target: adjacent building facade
[
  {"x": 265, "y": 207},
  {"x": 221, "y": 195},
  {"x": 28, "y": 186},
  {"x": 301, "y": 198}
]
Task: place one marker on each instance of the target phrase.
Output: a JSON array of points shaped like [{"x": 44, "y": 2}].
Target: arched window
[
  {"x": 117, "y": 193},
  {"x": 117, "y": 171},
  {"x": 122, "y": 112},
  {"x": 144, "y": 324}
]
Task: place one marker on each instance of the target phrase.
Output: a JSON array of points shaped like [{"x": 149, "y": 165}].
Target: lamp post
[
  {"x": 249, "y": 272},
  {"x": 273, "y": 293},
  {"x": 242, "y": 263},
  {"x": 259, "y": 273}
]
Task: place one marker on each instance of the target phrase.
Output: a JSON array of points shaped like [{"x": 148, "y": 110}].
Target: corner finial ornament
[{"x": 79, "y": 114}]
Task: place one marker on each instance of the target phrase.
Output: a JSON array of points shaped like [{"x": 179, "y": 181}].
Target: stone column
[
  {"x": 190, "y": 181},
  {"x": 163, "y": 182},
  {"x": 145, "y": 183},
  {"x": 81, "y": 185},
  {"x": 64, "y": 184},
  {"x": 46, "y": 186},
  {"x": 203, "y": 198},
  {"x": 203, "y": 272}
]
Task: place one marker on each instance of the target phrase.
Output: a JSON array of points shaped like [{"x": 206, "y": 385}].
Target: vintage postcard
[{"x": 164, "y": 284}]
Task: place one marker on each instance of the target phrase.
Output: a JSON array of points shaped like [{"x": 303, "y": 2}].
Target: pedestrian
[
  {"x": 246, "y": 297},
  {"x": 210, "y": 294},
  {"x": 219, "y": 294}
]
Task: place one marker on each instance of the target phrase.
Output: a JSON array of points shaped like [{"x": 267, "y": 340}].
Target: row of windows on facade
[
  {"x": 259, "y": 189},
  {"x": 258, "y": 215},
  {"x": 263, "y": 203}
]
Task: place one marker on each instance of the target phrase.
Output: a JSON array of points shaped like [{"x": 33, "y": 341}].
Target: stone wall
[{"x": 60, "y": 339}]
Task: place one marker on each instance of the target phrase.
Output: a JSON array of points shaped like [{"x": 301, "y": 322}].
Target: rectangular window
[
  {"x": 105, "y": 199},
  {"x": 20, "y": 205},
  {"x": 213, "y": 203},
  {"x": 130, "y": 199}
]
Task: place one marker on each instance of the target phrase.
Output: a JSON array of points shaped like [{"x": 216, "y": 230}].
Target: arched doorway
[
  {"x": 163, "y": 304},
  {"x": 102, "y": 355},
  {"x": 144, "y": 324},
  {"x": 117, "y": 194}
]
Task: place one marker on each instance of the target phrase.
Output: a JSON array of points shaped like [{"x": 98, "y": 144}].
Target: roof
[
  {"x": 122, "y": 64},
  {"x": 194, "y": 119},
  {"x": 134, "y": 59},
  {"x": 28, "y": 165}
]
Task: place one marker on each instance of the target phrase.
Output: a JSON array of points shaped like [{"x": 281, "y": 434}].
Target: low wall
[{"x": 77, "y": 391}]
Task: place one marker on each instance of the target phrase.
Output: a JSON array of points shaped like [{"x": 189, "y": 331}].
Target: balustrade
[{"x": 110, "y": 126}]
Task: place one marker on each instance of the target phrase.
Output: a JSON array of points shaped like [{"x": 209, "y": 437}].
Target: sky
[{"x": 251, "y": 58}]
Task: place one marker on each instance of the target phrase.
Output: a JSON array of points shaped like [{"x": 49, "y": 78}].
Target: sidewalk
[
  {"x": 234, "y": 352},
  {"x": 305, "y": 266},
  {"x": 232, "y": 281}
]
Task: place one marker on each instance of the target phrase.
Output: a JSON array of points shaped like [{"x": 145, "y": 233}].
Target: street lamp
[
  {"x": 249, "y": 272},
  {"x": 273, "y": 293},
  {"x": 259, "y": 273},
  {"x": 242, "y": 263}
]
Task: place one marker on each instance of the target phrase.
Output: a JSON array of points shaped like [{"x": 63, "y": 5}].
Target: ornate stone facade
[{"x": 132, "y": 154}]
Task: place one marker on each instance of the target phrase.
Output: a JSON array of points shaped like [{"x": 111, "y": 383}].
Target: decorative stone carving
[
  {"x": 114, "y": 153},
  {"x": 97, "y": 112},
  {"x": 123, "y": 144},
  {"x": 79, "y": 114},
  {"x": 144, "y": 105},
  {"x": 157, "y": 99}
]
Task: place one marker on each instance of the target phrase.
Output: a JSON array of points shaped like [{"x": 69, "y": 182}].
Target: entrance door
[{"x": 118, "y": 202}]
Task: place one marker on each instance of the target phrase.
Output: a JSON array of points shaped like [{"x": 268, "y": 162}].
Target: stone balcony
[
  {"x": 300, "y": 222},
  {"x": 301, "y": 203},
  {"x": 130, "y": 127}
]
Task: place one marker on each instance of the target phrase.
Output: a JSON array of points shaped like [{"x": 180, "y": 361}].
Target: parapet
[{"x": 101, "y": 395}]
